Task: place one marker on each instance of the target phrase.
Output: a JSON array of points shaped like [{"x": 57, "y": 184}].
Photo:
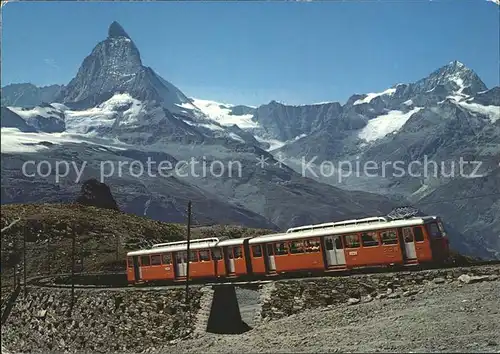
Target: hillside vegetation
[{"x": 103, "y": 236}]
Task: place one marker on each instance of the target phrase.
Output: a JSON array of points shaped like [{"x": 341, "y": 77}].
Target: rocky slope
[
  {"x": 444, "y": 315},
  {"x": 472, "y": 218},
  {"x": 155, "y": 197},
  {"x": 435, "y": 310}
]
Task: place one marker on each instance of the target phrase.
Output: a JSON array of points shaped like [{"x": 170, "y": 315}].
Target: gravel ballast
[{"x": 440, "y": 317}]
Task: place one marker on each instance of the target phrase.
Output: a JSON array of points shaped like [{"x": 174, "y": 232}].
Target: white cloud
[
  {"x": 494, "y": 1},
  {"x": 51, "y": 62}
]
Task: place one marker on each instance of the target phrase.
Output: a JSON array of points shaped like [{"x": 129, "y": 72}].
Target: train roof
[
  {"x": 176, "y": 247},
  {"x": 364, "y": 221},
  {"x": 342, "y": 229},
  {"x": 232, "y": 242}
]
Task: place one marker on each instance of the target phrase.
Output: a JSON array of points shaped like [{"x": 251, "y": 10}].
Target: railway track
[{"x": 51, "y": 281}]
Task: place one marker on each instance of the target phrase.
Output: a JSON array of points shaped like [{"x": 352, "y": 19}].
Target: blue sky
[{"x": 250, "y": 52}]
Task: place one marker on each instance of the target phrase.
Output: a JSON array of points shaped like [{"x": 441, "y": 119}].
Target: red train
[{"x": 320, "y": 248}]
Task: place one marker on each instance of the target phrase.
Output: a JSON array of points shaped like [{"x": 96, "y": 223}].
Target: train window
[
  {"x": 167, "y": 259},
  {"x": 230, "y": 254},
  {"x": 156, "y": 259},
  {"x": 338, "y": 243},
  {"x": 351, "y": 241},
  {"x": 408, "y": 234},
  {"x": 280, "y": 248},
  {"x": 434, "y": 231},
  {"x": 419, "y": 235},
  {"x": 204, "y": 255},
  {"x": 312, "y": 246},
  {"x": 193, "y": 256},
  {"x": 369, "y": 239},
  {"x": 130, "y": 262},
  {"x": 237, "y": 252},
  {"x": 216, "y": 254},
  {"x": 441, "y": 228},
  {"x": 180, "y": 257},
  {"x": 298, "y": 246},
  {"x": 389, "y": 237},
  {"x": 145, "y": 260},
  {"x": 329, "y": 244},
  {"x": 257, "y": 251},
  {"x": 270, "y": 249}
]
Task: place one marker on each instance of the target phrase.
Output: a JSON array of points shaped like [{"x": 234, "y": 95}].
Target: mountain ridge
[
  {"x": 447, "y": 114},
  {"x": 114, "y": 97}
]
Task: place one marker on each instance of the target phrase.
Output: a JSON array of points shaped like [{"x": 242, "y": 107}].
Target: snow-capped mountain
[
  {"x": 28, "y": 95},
  {"x": 368, "y": 120},
  {"x": 118, "y": 110},
  {"x": 114, "y": 94},
  {"x": 115, "y": 65},
  {"x": 44, "y": 118},
  {"x": 241, "y": 121}
]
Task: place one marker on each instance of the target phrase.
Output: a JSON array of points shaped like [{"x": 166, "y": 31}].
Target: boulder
[{"x": 96, "y": 194}]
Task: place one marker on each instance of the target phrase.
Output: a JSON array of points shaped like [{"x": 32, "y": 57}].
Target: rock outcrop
[{"x": 97, "y": 194}]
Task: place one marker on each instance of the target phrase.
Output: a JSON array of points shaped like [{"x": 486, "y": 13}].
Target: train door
[
  {"x": 270, "y": 258},
  {"x": 409, "y": 244},
  {"x": 230, "y": 261},
  {"x": 137, "y": 270},
  {"x": 334, "y": 251},
  {"x": 180, "y": 264},
  {"x": 216, "y": 256}
]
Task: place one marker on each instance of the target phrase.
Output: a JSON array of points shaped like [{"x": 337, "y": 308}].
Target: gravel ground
[
  {"x": 449, "y": 317},
  {"x": 248, "y": 302}
]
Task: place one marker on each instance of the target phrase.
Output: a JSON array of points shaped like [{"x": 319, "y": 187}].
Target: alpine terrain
[{"x": 256, "y": 166}]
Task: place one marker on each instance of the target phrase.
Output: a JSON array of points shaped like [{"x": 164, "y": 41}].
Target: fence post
[
  {"x": 16, "y": 261},
  {"x": 188, "y": 251}
]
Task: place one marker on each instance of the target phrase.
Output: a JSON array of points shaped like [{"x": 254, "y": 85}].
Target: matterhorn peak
[
  {"x": 115, "y": 66},
  {"x": 116, "y": 30},
  {"x": 457, "y": 63}
]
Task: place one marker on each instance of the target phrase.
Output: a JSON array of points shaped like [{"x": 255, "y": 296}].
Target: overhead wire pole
[
  {"x": 15, "y": 259},
  {"x": 73, "y": 246},
  {"x": 188, "y": 251},
  {"x": 13, "y": 252},
  {"x": 49, "y": 254},
  {"x": 24, "y": 259},
  {"x": 117, "y": 244}
]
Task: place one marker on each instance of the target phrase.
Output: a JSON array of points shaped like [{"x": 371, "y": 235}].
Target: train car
[
  {"x": 354, "y": 243},
  {"x": 168, "y": 261},
  {"x": 328, "y": 247},
  {"x": 287, "y": 253}
]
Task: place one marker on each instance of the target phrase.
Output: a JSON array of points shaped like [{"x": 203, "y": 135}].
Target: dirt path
[{"x": 450, "y": 317}]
